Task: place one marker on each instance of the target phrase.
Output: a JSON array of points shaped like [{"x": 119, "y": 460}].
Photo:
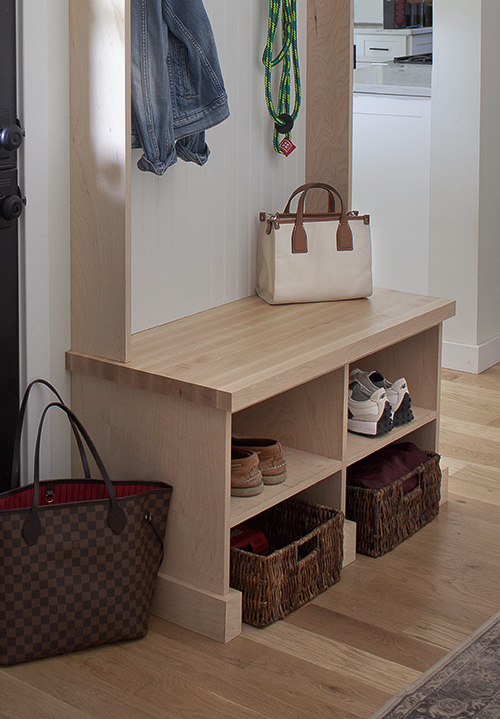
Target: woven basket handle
[
  {"x": 307, "y": 548},
  {"x": 414, "y": 495},
  {"x": 299, "y": 235},
  {"x": 116, "y": 516},
  {"x": 16, "y": 458}
]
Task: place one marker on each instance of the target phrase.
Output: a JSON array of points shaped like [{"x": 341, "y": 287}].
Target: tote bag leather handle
[
  {"x": 16, "y": 457},
  {"x": 116, "y": 516},
  {"x": 299, "y": 235},
  {"x": 309, "y": 185}
]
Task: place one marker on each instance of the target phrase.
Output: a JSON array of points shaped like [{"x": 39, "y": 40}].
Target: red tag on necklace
[{"x": 286, "y": 146}]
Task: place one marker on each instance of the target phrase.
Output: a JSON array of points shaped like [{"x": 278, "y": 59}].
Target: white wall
[
  {"x": 465, "y": 160},
  {"x": 369, "y": 11},
  {"x": 194, "y": 230},
  {"x": 44, "y": 227},
  {"x": 488, "y": 331}
]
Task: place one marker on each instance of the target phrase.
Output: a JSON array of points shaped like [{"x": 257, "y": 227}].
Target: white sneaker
[
  {"x": 369, "y": 412},
  {"x": 397, "y": 393}
]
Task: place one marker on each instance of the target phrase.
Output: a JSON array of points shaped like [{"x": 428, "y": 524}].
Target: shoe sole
[
  {"x": 372, "y": 429},
  {"x": 247, "y": 491},
  {"x": 275, "y": 478},
  {"x": 403, "y": 414}
]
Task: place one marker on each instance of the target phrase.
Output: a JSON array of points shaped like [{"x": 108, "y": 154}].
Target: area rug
[{"x": 465, "y": 684}]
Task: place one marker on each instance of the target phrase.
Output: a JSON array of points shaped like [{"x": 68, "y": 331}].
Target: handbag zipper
[{"x": 275, "y": 219}]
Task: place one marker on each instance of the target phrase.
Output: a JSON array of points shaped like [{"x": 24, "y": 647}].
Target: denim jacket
[{"x": 177, "y": 86}]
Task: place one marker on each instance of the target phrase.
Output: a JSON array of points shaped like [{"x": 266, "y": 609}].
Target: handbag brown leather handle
[
  {"x": 16, "y": 455},
  {"x": 310, "y": 185},
  {"x": 116, "y": 516},
  {"x": 299, "y": 235}
]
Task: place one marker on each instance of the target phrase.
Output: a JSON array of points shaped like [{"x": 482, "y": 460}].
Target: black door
[{"x": 11, "y": 206}]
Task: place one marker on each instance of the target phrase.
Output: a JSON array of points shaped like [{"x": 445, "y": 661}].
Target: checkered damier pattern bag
[{"x": 78, "y": 559}]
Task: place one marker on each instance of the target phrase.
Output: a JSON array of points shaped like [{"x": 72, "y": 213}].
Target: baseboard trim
[
  {"x": 445, "y": 477},
  {"x": 215, "y": 616},
  {"x": 471, "y": 358},
  {"x": 349, "y": 542}
]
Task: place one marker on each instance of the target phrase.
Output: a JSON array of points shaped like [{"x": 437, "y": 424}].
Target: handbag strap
[
  {"x": 310, "y": 185},
  {"x": 116, "y": 516},
  {"x": 16, "y": 457},
  {"x": 149, "y": 518},
  {"x": 299, "y": 235}
]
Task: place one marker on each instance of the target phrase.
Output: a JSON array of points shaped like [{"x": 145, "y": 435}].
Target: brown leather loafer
[
  {"x": 272, "y": 463},
  {"x": 246, "y": 477}
]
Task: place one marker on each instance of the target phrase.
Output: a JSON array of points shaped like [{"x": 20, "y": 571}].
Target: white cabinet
[
  {"x": 384, "y": 45},
  {"x": 420, "y": 43},
  {"x": 375, "y": 47},
  {"x": 390, "y": 182}
]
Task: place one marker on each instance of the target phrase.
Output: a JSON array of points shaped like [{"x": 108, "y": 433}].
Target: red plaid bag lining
[{"x": 64, "y": 492}]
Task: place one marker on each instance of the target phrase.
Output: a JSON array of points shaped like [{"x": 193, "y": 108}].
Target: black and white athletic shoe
[
  {"x": 397, "y": 393},
  {"x": 369, "y": 412}
]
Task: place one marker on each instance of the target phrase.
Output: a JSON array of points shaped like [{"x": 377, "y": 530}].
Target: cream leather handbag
[{"x": 314, "y": 258}]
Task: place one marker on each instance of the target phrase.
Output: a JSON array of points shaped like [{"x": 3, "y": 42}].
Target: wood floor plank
[
  {"x": 472, "y": 442},
  {"x": 391, "y": 645},
  {"x": 488, "y": 378},
  {"x": 470, "y": 404},
  {"x": 273, "y": 683},
  {"x": 454, "y": 465},
  {"x": 19, "y": 699},
  {"x": 441, "y": 633},
  {"x": 475, "y": 431},
  {"x": 330, "y": 654},
  {"x": 448, "y": 570},
  {"x": 477, "y": 482},
  {"x": 133, "y": 680}
]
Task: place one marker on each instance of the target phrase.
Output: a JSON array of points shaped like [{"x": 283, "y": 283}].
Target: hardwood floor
[{"x": 343, "y": 655}]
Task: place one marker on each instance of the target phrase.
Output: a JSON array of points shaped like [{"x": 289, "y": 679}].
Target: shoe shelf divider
[{"x": 254, "y": 370}]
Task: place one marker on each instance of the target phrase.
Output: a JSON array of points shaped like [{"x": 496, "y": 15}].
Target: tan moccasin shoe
[
  {"x": 246, "y": 477},
  {"x": 272, "y": 463}
]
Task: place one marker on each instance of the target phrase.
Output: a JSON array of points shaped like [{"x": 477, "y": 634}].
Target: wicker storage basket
[
  {"x": 306, "y": 553},
  {"x": 386, "y": 517}
]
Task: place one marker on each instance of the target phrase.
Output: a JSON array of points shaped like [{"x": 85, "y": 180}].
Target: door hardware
[
  {"x": 11, "y": 206},
  {"x": 11, "y": 137}
]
